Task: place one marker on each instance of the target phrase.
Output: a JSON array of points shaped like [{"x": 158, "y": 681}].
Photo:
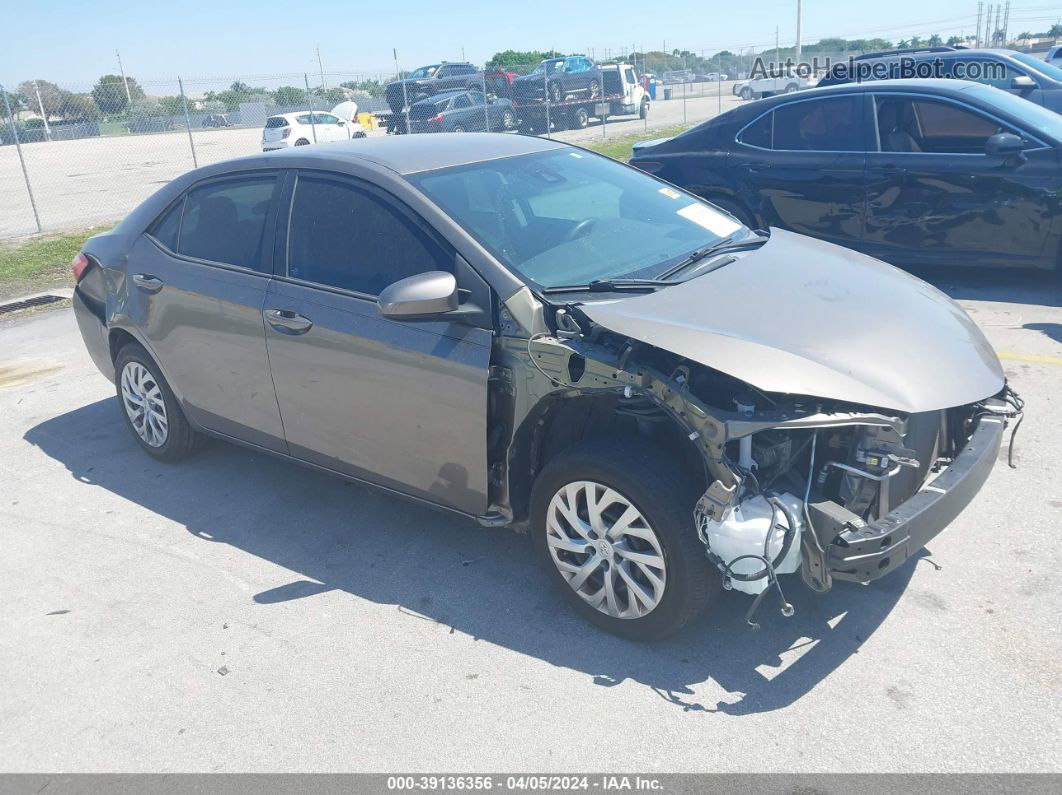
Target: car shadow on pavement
[{"x": 466, "y": 579}]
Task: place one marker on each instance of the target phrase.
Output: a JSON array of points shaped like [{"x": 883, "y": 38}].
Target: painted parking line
[{"x": 1035, "y": 358}]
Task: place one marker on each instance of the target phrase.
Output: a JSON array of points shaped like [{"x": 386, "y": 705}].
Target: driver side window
[
  {"x": 925, "y": 125},
  {"x": 353, "y": 239}
]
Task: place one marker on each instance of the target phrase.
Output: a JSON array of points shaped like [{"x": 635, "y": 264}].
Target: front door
[
  {"x": 401, "y": 404},
  {"x": 801, "y": 167},
  {"x": 199, "y": 279},
  {"x": 935, "y": 196}
]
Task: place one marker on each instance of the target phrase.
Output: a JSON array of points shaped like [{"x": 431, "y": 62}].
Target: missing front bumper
[{"x": 864, "y": 554}]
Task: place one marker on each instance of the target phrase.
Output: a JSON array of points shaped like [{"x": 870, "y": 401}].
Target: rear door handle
[
  {"x": 146, "y": 282},
  {"x": 287, "y": 322}
]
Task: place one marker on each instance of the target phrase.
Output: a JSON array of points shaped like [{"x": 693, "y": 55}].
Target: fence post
[
  {"x": 545, "y": 94},
  {"x": 309, "y": 99},
  {"x": 405, "y": 95},
  {"x": 188, "y": 122},
  {"x": 486, "y": 108},
  {"x": 719, "y": 86},
  {"x": 21, "y": 160},
  {"x": 684, "y": 100}
]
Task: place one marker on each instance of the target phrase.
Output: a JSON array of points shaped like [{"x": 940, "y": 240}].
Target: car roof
[
  {"x": 942, "y": 84},
  {"x": 411, "y": 154}
]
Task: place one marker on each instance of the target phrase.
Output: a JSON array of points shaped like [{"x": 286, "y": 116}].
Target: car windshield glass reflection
[{"x": 563, "y": 217}]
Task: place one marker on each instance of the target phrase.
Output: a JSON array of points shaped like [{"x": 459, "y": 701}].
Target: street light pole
[
  {"x": 320, "y": 67},
  {"x": 798, "y": 33},
  {"x": 128, "y": 96}
]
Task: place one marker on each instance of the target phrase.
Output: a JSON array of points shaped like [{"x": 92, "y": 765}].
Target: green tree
[
  {"x": 331, "y": 96},
  {"x": 1055, "y": 31},
  {"x": 51, "y": 97},
  {"x": 373, "y": 88},
  {"x": 78, "y": 106},
  {"x": 172, "y": 105},
  {"x": 110, "y": 95},
  {"x": 953, "y": 40},
  {"x": 289, "y": 95},
  {"x": 13, "y": 100},
  {"x": 236, "y": 93},
  {"x": 522, "y": 61},
  {"x": 934, "y": 41}
]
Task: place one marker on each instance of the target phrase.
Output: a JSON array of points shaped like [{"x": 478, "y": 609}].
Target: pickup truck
[
  {"x": 427, "y": 81},
  {"x": 623, "y": 94}
]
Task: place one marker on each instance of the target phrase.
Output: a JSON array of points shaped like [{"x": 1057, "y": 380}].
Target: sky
[{"x": 209, "y": 44}]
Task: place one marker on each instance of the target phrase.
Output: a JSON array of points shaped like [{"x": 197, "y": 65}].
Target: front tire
[
  {"x": 612, "y": 522},
  {"x": 556, "y": 93},
  {"x": 150, "y": 409},
  {"x": 745, "y": 93}
]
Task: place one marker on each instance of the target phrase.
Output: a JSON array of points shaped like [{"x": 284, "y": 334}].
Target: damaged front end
[{"x": 792, "y": 483}]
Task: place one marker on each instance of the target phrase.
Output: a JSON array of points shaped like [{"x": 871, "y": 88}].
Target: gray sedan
[{"x": 523, "y": 332}]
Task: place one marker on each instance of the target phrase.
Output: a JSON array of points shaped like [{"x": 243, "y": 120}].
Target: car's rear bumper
[
  {"x": 94, "y": 332},
  {"x": 874, "y": 550}
]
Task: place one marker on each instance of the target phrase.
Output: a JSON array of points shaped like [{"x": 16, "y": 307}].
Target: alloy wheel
[
  {"x": 605, "y": 549},
  {"x": 144, "y": 404}
]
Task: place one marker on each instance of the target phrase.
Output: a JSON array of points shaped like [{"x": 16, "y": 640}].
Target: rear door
[
  {"x": 198, "y": 285},
  {"x": 935, "y": 196},
  {"x": 801, "y": 167},
  {"x": 400, "y": 404}
]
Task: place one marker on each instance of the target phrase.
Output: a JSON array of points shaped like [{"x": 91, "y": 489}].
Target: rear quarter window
[
  {"x": 168, "y": 225},
  {"x": 276, "y": 121}
]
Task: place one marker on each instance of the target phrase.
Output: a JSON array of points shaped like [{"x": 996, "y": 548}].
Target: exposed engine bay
[{"x": 788, "y": 479}]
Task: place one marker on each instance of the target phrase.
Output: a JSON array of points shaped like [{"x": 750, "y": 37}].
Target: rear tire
[
  {"x": 594, "y": 90},
  {"x": 579, "y": 119},
  {"x": 508, "y": 121},
  {"x": 555, "y": 92},
  {"x": 670, "y": 572},
  {"x": 150, "y": 409},
  {"x": 458, "y": 129}
]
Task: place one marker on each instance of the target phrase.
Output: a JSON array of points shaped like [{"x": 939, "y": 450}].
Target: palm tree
[{"x": 935, "y": 41}]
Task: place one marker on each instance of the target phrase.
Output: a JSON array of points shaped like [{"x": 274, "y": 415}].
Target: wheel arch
[
  {"x": 120, "y": 336},
  {"x": 727, "y": 196},
  {"x": 561, "y": 421}
]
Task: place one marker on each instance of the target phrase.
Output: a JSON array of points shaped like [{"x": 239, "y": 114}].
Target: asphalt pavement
[{"x": 239, "y": 613}]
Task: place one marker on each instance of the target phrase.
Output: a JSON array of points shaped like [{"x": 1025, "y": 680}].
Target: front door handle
[
  {"x": 287, "y": 322},
  {"x": 145, "y": 282}
]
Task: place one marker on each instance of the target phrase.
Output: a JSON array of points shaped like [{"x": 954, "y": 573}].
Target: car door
[
  {"x": 463, "y": 115},
  {"x": 801, "y": 165},
  {"x": 198, "y": 284},
  {"x": 935, "y": 196},
  {"x": 400, "y": 404}
]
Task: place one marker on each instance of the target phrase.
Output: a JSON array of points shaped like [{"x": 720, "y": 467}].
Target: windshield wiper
[
  {"x": 610, "y": 286},
  {"x": 724, "y": 246}
]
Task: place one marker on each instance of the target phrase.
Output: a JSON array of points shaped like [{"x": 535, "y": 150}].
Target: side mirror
[
  {"x": 1022, "y": 82},
  {"x": 1006, "y": 145},
  {"x": 425, "y": 296}
]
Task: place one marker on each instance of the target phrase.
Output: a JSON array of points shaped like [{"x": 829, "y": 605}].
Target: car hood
[{"x": 806, "y": 317}]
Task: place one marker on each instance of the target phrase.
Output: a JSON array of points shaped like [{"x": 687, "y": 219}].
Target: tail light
[
  {"x": 648, "y": 166},
  {"x": 437, "y": 118},
  {"x": 286, "y": 133},
  {"x": 78, "y": 265}
]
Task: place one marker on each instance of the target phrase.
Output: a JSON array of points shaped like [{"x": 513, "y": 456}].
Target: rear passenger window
[
  {"x": 224, "y": 221},
  {"x": 760, "y": 133},
  {"x": 165, "y": 229},
  {"x": 821, "y": 125},
  {"x": 341, "y": 236}
]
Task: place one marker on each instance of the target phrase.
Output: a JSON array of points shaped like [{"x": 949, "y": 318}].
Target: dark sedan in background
[
  {"x": 914, "y": 172},
  {"x": 560, "y": 79},
  {"x": 462, "y": 111},
  {"x": 1019, "y": 73}
]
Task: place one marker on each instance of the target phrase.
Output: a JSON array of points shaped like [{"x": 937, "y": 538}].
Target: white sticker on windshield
[
  {"x": 714, "y": 222},
  {"x": 671, "y": 194}
]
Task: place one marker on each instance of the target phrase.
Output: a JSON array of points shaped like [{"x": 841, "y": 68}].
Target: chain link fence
[{"x": 76, "y": 156}]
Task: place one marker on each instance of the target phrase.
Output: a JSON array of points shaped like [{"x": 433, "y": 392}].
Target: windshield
[
  {"x": 567, "y": 217},
  {"x": 1042, "y": 67},
  {"x": 424, "y": 71},
  {"x": 552, "y": 66},
  {"x": 1037, "y": 117}
]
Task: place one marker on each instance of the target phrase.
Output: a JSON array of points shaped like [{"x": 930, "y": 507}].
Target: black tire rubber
[
  {"x": 182, "y": 440},
  {"x": 508, "y": 121},
  {"x": 458, "y": 128},
  {"x": 666, "y": 497},
  {"x": 302, "y": 142},
  {"x": 734, "y": 209},
  {"x": 789, "y": 89},
  {"x": 594, "y": 91},
  {"x": 745, "y": 93},
  {"x": 554, "y": 92},
  {"x": 579, "y": 119}
]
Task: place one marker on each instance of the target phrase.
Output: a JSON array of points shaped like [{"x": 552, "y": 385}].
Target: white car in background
[
  {"x": 308, "y": 127},
  {"x": 768, "y": 86}
]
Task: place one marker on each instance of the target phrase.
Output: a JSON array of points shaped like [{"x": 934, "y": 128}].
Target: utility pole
[
  {"x": 1006, "y": 23},
  {"x": 128, "y": 96},
  {"x": 798, "y": 32},
  {"x": 980, "y": 11},
  {"x": 44, "y": 116},
  {"x": 320, "y": 67},
  {"x": 777, "y": 57}
]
